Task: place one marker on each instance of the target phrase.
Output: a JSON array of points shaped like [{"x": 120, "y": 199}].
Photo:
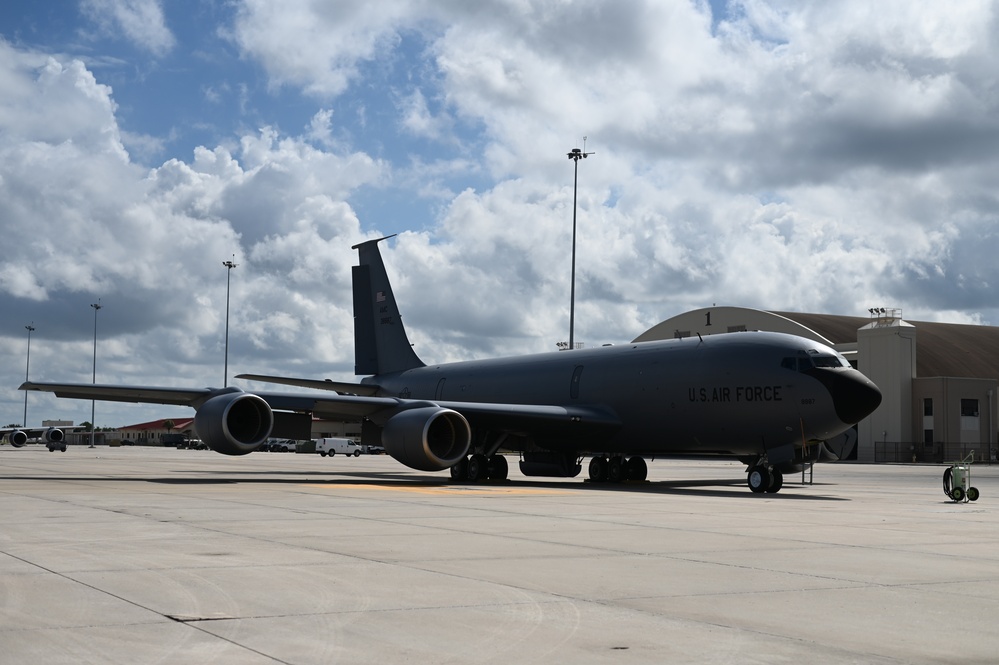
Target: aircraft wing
[
  {"x": 513, "y": 418},
  {"x": 581, "y": 421},
  {"x": 317, "y": 384},
  {"x": 143, "y": 394}
]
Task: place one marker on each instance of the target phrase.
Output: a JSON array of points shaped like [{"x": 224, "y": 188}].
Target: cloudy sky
[{"x": 799, "y": 155}]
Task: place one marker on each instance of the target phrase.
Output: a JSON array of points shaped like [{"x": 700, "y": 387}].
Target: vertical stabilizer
[{"x": 380, "y": 342}]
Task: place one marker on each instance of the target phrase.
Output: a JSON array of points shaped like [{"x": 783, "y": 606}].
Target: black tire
[
  {"x": 357, "y": 453},
  {"x": 459, "y": 470},
  {"x": 615, "y": 470},
  {"x": 973, "y": 494},
  {"x": 477, "y": 468},
  {"x": 957, "y": 494},
  {"x": 498, "y": 467},
  {"x": 776, "y": 483},
  {"x": 322, "y": 453},
  {"x": 638, "y": 470},
  {"x": 598, "y": 469},
  {"x": 759, "y": 479}
]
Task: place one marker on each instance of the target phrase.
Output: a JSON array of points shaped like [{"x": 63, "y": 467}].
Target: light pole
[
  {"x": 229, "y": 265},
  {"x": 27, "y": 365},
  {"x": 575, "y": 155},
  {"x": 93, "y": 427}
]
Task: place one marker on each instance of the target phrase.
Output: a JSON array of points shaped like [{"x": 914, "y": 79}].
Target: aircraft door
[{"x": 574, "y": 382}]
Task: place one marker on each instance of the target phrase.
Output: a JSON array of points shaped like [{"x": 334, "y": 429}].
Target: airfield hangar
[{"x": 940, "y": 381}]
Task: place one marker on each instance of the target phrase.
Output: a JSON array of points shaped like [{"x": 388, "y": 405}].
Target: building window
[
  {"x": 927, "y": 406},
  {"x": 969, "y": 407},
  {"x": 927, "y": 436}
]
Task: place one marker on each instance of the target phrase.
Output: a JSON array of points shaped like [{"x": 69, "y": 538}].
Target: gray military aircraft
[
  {"x": 19, "y": 436},
  {"x": 760, "y": 396}
]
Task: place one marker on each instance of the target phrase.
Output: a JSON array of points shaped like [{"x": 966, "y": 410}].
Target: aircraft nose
[{"x": 854, "y": 396}]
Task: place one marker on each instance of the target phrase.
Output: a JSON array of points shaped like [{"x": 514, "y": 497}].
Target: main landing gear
[
  {"x": 618, "y": 469},
  {"x": 480, "y": 467},
  {"x": 763, "y": 478}
]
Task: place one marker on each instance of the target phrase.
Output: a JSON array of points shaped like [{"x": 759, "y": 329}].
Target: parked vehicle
[
  {"x": 332, "y": 446},
  {"x": 286, "y": 446},
  {"x": 56, "y": 445}
]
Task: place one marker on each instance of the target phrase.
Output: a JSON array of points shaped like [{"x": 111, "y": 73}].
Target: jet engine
[
  {"x": 427, "y": 438},
  {"x": 234, "y": 423},
  {"x": 18, "y": 437}
]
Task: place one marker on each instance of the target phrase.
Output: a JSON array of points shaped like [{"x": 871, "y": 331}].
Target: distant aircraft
[
  {"x": 18, "y": 436},
  {"x": 760, "y": 396}
]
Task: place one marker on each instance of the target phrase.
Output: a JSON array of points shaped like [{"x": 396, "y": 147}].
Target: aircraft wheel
[
  {"x": 477, "y": 468},
  {"x": 957, "y": 494},
  {"x": 598, "y": 469},
  {"x": 638, "y": 470},
  {"x": 459, "y": 471},
  {"x": 759, "y": 479},
  {"x": 498, "y": 468},
  {"x": 777, "y": 482},
  {"x": 615, "y": 469},
  {"x": 972, "y": 494}
]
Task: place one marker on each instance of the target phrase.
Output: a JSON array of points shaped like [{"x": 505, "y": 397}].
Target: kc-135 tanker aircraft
[{"x": 760, "y": 396}]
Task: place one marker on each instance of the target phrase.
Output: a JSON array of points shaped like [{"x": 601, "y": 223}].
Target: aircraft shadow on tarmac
[{"x": 721, "y": 487}]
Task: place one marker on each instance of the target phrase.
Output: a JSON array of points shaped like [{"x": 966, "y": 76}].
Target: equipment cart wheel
[
  {"x": 972, "y": 494},
  {"x": 957, "y": 494}
]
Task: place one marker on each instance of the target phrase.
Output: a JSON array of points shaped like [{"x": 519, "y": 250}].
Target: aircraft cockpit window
[
  {"x": 805, "y": 363},
  {"x": 797, "y": 364},
  {"x": 827, "y": 361}
]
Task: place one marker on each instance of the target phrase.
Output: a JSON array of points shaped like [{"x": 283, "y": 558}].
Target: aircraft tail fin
[{"x": 381, "y": 345}]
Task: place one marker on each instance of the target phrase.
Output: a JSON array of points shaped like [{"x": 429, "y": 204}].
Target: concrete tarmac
[{"x": 151, "y": 555}]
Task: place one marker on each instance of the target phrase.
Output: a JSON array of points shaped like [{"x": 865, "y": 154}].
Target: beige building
[{"x": 939, "y": 381}]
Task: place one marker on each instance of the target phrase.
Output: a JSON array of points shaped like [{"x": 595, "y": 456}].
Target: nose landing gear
[{"x": 763, "y": 478}]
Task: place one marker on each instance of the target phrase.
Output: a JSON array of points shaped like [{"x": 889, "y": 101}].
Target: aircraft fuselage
[{"x": 736, "y": 393}]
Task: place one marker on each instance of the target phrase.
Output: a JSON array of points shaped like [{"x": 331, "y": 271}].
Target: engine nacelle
[
  {"x": 53, "y": 435},
  {"x": 234, "y": 423},
  {"x": 427, "y": 438},
  {"x": 17, "y": 438}
]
